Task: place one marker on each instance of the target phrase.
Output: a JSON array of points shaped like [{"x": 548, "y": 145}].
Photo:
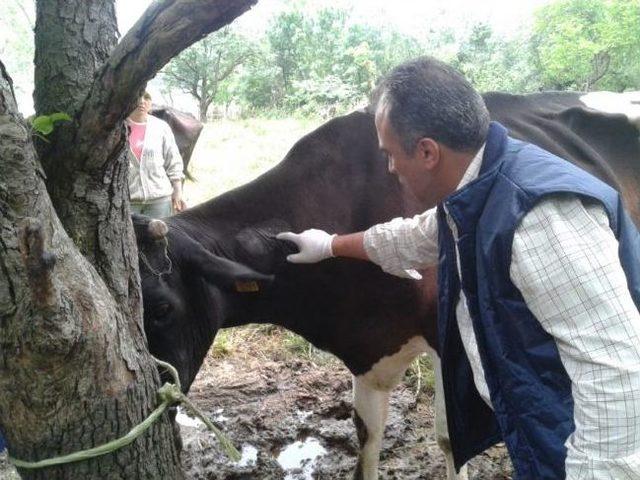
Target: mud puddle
[{"x": 292, "y": 421}]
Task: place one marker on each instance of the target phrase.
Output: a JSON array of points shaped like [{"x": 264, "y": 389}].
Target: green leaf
[
  {"x": 59, "y": 116},
  {"x": 44, "y": 123}
]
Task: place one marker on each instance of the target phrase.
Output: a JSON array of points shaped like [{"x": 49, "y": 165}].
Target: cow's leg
[
  {"x": 442, "y": 431},
  {"x": 371, "y": 402},
  {"x": 370, "y": 406}
]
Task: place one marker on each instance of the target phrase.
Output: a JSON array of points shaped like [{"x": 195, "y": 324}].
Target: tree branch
[
  {"x": 232, "y": 66},
  {"x": 165, "y": 30},
  {"x": 25, "y": 13},
  {"x": 7, "y": 95},
  {"x": 601, "y": 62}
]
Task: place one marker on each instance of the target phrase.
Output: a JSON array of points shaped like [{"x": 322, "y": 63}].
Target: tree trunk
[
  {"x": 75, "y": 371},
  {"x": 203, "y": 108},
  {"x": 74, "y": 368}
]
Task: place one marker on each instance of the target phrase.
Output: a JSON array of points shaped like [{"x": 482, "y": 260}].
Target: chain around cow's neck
[{"x": 169, "y": 264}]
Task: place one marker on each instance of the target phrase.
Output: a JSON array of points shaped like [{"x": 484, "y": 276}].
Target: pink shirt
[{"x": 136, "y": 137}]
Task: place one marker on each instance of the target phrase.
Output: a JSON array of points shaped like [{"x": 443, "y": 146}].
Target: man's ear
[{"x": 428, "y": 153}]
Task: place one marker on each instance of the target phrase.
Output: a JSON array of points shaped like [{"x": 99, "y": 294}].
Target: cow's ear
[
  {"x": 228, "y": 274},
  {"x": 258, "y": 247}
]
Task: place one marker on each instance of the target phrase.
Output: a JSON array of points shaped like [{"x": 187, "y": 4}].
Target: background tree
[
  {"x": 493, "y": 63},
  {"x": 201, "y": 69},
  {"x": 261, "y": 84},
  {"x": 326, "y": 63},
  {"x": 75, "y": 371},
  {"x": 588, "y": 44},
  {"x": 288, "y": 42}
]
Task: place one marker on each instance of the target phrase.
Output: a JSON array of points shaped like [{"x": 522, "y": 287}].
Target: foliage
[
  {"x": 588, "y": 44},
  {"x": 201, "y": 69},
  {"x": 321, "y": 62},
  {"x": 261, "y": 85},
  {"x": 492, "y": 63},
  {"x": 44, "y": 124}
]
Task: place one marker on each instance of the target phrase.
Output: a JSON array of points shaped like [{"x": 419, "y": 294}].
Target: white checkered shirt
[{"x": 565, "y": 263}]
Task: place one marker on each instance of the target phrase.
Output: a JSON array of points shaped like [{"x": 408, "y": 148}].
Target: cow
[
  {"x": 185, "y": 127},
  {"x": 219, "y": 265}
]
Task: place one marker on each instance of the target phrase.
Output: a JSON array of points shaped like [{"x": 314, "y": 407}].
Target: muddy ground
[
  {"x": 277, "y": 410},
  {"x": 291, "y": 416}
]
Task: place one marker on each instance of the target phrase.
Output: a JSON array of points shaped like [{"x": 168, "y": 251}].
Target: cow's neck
[{"x": 311, "y": 188}]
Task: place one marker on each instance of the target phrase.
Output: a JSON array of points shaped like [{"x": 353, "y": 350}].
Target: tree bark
[{"x": 74, "y": 368}]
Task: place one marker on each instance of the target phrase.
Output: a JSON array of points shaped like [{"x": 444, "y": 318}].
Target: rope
[
  {"x": 168, "y": 394},
  {"x": 169, "y": 265}
]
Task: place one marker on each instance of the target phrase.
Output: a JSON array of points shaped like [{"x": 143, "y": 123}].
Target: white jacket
[{"x": 159, "y": 165}]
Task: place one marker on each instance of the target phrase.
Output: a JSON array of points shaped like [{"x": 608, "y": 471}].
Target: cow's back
[{"x": 603, "y": 143}]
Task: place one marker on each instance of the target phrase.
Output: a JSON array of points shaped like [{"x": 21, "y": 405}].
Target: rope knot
[{"x": 170, "y": 394}]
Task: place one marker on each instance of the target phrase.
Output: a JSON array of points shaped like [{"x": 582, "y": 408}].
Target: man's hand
[{"x": 314, "y": 245}]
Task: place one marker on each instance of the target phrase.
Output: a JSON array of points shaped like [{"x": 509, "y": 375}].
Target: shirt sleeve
[
  {"x": 173, "y": 163},
  {"x": 565, "y": 263},
  {"x": 404, "y": 244}
]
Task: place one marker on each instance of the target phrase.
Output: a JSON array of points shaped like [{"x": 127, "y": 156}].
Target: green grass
[
  {"x": 267, "y": 341},
  {"x": 231, "y": 153},
  {"x": 420, "y": 375}
]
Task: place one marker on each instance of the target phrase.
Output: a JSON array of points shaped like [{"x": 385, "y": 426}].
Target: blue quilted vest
[{"x": 530, "y": 389}]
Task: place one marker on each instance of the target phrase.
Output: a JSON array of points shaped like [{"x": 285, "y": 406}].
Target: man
[
  {"x": 155, "y": 164},
  {"x": 539, "y": 280}
]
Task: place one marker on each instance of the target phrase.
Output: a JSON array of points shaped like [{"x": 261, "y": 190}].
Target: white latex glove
[{"x": 314, "y": 245}]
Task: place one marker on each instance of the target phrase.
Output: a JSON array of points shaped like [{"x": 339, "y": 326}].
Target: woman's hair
[{"x": 428, "y": 98}]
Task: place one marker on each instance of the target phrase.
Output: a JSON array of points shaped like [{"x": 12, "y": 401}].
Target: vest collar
[{"x": 465, "y": 205}]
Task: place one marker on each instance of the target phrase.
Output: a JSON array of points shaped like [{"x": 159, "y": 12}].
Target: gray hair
[{"x": 428, "y": 98}]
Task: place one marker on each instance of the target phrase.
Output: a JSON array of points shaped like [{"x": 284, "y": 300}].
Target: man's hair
[{"x": 425, "y": 97}]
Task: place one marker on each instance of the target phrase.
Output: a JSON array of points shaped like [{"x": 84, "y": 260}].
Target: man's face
[{"x": 408, "y": 167}]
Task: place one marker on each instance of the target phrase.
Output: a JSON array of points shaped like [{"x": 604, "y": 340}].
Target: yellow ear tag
[{"x": 246, "y": 287}]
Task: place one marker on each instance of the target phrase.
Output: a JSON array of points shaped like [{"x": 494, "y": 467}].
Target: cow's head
[{"x": 189, "y": 293}]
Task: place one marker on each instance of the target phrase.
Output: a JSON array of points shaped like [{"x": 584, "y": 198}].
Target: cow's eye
[{"x": 161, "y": 310}]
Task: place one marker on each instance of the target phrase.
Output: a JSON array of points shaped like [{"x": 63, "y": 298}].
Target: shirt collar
[{"x": 473, "y": 170}]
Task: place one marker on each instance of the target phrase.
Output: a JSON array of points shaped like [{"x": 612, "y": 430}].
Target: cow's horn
[{"x": 157, "y": 229}]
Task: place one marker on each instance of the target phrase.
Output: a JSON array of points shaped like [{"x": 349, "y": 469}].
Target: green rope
[{"x": 168, "y": 395}]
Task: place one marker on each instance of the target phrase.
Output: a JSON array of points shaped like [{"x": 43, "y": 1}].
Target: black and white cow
[{"x": 218, "y": 264}]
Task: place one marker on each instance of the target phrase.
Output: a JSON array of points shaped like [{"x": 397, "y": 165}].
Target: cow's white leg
[
  {"x": 370, "y": 415},
  {"x": 442, "y": 431},
  {"x": 371, "y": 402}
]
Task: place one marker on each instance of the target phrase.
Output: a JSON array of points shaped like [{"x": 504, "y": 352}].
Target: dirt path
[{"x": 282, "y": 410}]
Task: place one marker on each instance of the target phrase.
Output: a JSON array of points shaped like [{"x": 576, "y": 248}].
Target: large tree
[
  {"x": 74, "y": 368},
  {"x": 200, "y": 70}
]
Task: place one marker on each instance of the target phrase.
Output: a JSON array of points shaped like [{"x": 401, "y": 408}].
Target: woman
[{"x": 155, "y": 164}]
